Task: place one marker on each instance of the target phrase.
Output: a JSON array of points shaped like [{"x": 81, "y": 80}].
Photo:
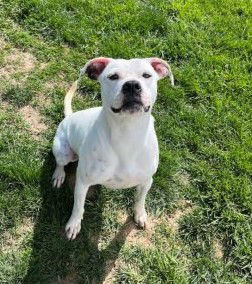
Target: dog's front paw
[
  {"x": 140, "y": 218},
  {"x": 58, "y": 176},
  {"x": 73, "y": 227}
]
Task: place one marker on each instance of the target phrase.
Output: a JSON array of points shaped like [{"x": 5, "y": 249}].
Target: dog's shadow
[{"x": 54, "y": 259}]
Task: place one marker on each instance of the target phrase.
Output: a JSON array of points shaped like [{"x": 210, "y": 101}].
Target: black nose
[{"x": 131, "y": 88}]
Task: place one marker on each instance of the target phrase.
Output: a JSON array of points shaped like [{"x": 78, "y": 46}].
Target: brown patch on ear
[{"x": 96, "y": 66}]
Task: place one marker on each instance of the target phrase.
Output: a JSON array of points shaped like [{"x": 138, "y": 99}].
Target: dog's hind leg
[{"x": 63, "y": 155}]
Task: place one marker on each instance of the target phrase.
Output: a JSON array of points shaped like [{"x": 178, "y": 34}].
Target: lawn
[{"x": 200, "y": 204}]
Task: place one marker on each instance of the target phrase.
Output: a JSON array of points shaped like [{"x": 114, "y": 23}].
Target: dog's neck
[{"x": 129, "y": 130}]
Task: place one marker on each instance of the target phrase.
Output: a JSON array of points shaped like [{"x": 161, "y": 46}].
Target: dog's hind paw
[
  {"x": 72, "y": 229},
  {"x": 58, "y": 176}
]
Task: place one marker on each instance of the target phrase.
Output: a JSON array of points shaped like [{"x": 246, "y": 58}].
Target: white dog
[{"x": 116, "y": 144}]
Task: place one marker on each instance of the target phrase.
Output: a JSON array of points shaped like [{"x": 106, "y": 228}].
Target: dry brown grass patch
[
  {"x": 137, "y": 236},
  {"x": 2, "y": 43},
  {"x": 20, "y": 61},
  {"x": 217, "y": 249},
  {"x": 17, "y": 62},
  {"x": 185, "y": 207},
  {"x": 50, "y": 85},
  {"x": 4, "y": 105},
  {"x": 12, "y": 241},
  {"x": 43, "y": 65},
  {"x": 183, "y": 178},
  {"x": 34, "y": 119}
]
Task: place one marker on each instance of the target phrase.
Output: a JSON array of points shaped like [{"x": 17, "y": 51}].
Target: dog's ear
[
  {"x": 94, "y": 67},
  {"x": 162, "y": 68}
]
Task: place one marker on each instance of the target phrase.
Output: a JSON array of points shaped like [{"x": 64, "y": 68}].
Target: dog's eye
[
  {"x": 146, "y": 75},
  {"x": 113, "y": 77}
]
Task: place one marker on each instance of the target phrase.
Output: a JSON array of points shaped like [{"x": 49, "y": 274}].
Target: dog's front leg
[
  {"x": 140, "y": 215},
  {"x": 73, "y": 225}
]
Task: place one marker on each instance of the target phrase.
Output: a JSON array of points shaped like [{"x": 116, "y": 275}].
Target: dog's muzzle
[{"x": 132, "y": 101}]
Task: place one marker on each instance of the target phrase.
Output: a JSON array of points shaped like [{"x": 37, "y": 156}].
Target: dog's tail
[
  {"x": 68, "y": 98},
  {"x": 69, "y": 95}
]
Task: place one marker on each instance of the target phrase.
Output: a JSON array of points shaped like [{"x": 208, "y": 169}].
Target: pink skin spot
[{"x": 159, "y": 67}]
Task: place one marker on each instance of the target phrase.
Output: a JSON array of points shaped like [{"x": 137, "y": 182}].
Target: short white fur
[{"x": 117, "y": 150}]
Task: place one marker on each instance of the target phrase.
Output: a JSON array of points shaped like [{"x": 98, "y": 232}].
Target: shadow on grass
[{"x": 54, "y": 259}]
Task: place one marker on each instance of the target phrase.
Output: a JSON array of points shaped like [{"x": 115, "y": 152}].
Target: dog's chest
[
  {"x": 117, "y": 171},
  {"x": 121, "y": 162},
  {"x": 125, "y": 178},
  {"x": 131, "y": 173}
]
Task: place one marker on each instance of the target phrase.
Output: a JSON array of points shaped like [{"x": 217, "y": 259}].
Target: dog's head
[{"x": 128, "y": 86}]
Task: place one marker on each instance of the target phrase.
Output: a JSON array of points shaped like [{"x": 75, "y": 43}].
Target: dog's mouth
[{"x": 131, "y": 108}]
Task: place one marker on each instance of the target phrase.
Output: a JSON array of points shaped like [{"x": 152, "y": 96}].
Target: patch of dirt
[
  {"x": 24, "y": 61},
  {"x": 183, "y": 178},
  {"x": 217, "y": 249},
  {"x": 4, "y": 105},
  {"x": 34, "y": 119},
  {"x": 42, "y": 101},
  {"x": 16, "y": 67},
  {"x": 12, "y": 242},
  {"x": 2, "y": 43},
  {"x": 185, "y": 207},
  {"x": 50, "y": 85},
  {"x": 43, "y": 65},
  {"x": 141, "y": 237},
  {"x": 17, "y": 62}
]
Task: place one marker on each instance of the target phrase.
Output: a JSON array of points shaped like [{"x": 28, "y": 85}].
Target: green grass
[{"x": 204, "y": 128}]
